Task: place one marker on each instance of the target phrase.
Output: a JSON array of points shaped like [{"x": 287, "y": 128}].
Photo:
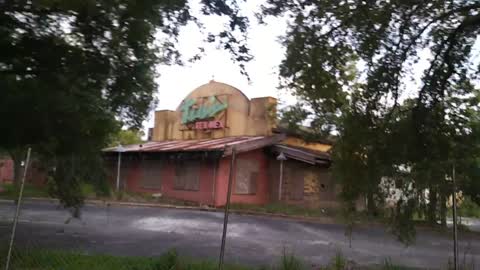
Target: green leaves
[
  {"x": 351, "y": 63},
  {"x": 71, "y": 70}
]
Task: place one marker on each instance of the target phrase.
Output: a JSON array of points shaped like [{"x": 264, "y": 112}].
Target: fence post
[
  {"x": 454, "y": 206},
  {"x": 227, "y": 208},
  {"x": 17, "y": 212}
]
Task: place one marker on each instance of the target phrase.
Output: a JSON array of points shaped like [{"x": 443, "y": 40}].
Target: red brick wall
[
  {"x": 167, "y": 176},
  {"x": 209, "y": 170},
  {"x": 262, "y": 190},
  {"x": 36, "y": 174},
  {"x": 6, "y": 170}
]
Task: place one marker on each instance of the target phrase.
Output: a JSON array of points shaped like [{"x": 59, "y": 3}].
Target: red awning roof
[{"x": 241, "y": 143}]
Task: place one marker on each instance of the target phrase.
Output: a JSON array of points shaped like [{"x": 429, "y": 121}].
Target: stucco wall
[
  {"x": 315, "y": 146},
  {"x": 243, "y": 117}
]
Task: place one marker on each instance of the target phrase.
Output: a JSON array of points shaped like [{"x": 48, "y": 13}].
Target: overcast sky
[{"x": 175, "y": 82}]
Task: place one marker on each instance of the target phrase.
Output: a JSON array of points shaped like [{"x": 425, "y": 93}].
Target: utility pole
[
  {"x": 17, "y": 211},
  {"x": 454, "y": 204},
  {"x": 227, "y": 208},
  {"x": 120, "y": 149}
]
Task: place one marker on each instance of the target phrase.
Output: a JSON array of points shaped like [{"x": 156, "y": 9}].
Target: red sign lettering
[{"x": 208, "y": 125}]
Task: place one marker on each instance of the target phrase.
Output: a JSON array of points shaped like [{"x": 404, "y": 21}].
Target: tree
[
  {"x": 69, "y": 70},
  {"x": 381, "y": 135},
  {"x": 125, "y": 137}
]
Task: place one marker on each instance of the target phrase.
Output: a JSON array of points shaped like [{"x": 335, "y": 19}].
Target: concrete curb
[
  {"x": 132, "y": 204},
  {"x": 314, "y": 220},
  {"x": 318, "y": 220}
]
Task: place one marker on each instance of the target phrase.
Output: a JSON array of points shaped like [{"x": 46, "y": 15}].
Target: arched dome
[{"x": 216, "y": 89}]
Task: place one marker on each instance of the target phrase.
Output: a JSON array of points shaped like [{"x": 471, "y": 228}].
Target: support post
[
  {"x": 455, "y": 235},
  {"x": 118, "y": 170},
  {"x": 280, "y": 181},
  {"x": 281, "y": 157},
  {"x": 227, "y": 208},
  {"x": 215, "y": 165},
  {"x": 17, "y": 211}
]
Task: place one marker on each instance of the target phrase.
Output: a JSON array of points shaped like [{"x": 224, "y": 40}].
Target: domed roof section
[{"x": 214, "y": 88}]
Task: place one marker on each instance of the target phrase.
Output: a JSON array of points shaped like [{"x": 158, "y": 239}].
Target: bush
[
  {"x": 87, "y": 190},
  {"x": 469, "y": 208},
  {"x": 11, "y": 192}
]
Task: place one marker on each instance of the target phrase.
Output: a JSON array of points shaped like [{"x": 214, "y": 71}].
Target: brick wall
[
  {"x": 36, "y": 173},
  {"x": 262, "y": 189},
  {"x": 6, "y": 170},
  {"x": 134, "y": 171}
]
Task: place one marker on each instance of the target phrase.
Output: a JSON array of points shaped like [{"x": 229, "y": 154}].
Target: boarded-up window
[
  {"x": 187, "y": 175},
  {"x": 151, "y": 174},
  {"x": 246, "y": 176},
  {"x": 296, "y": 181},
  {"x": 296, "y": 193}
]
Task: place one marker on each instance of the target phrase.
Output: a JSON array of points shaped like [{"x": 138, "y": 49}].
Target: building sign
[
  {"x": 208, "y": 125},
  {"x": 192, "y": 112}
]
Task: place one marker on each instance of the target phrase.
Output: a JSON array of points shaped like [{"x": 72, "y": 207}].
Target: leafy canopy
[
  {"x": 352, "y": 64},
  {"x": 70, "y": 70}
]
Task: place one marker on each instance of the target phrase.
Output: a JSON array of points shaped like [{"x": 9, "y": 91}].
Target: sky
[{"x": 176, "y": 82}]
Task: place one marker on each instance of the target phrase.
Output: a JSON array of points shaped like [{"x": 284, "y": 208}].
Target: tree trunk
[
  {"x": 421, "y": 212},
  {"x": 371, "y": 209},
  {"x": 432, "y": 206},
  {"x": 443, "y": 209}
]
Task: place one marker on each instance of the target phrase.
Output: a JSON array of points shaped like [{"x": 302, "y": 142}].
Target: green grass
[
  {"x": 88, "y": 190},
  {"x": 286, "y": 209},
  {"x": 10, "y": 192},
  {"x": 43, "y": 259},
  {"x": 48, "y": 259},
  {"x": 388, "y": 265},
  {"x": 290, "y": 262}
]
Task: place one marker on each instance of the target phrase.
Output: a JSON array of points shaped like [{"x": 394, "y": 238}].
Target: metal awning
[
  {"x": 224, "y": 145},
  {"x": 303, "y": 154}
]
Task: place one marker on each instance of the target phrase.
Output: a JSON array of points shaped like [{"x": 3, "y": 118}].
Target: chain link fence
[
  {"x": 52, "y": 234},
  {"x": 48, "y": 236}
]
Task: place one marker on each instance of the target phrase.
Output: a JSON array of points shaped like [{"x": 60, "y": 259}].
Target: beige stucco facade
[
  {"x": 315, "y": 146},
  {"x": 241, "y": 117}
]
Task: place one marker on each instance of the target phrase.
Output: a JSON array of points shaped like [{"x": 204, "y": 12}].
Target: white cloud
[{"x": 175, "y": 82}]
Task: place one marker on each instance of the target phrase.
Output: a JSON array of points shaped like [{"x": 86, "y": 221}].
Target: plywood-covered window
[
  {"x": 151, "y": 174},
  {"x": 325, "y": 182},
  {"x": 246, "y": 176},
  {"x": 296, "y": 193},
  {"x": 187, "y": 175},
  {"x": 296, "y": 181}
]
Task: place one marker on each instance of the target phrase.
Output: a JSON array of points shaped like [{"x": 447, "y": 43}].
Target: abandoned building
[{"x": 189, "y": 152}]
